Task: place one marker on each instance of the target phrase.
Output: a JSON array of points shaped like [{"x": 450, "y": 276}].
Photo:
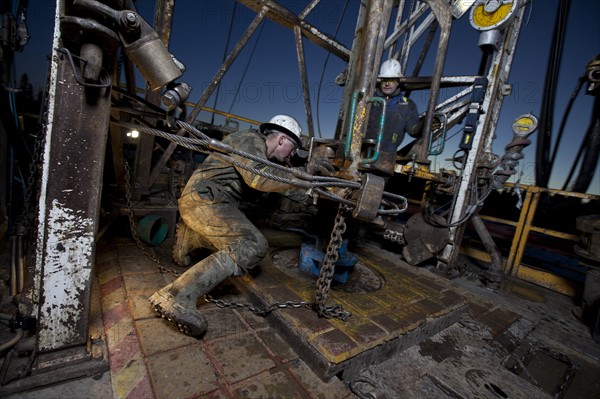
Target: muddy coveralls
[
  {"x": 211, "y": 219},
  {"x": 401, "y": 116}
]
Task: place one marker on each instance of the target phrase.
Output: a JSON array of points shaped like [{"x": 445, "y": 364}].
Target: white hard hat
[
  {"x": 285, "y": 124},
  {"x": 390, "y": 69}
]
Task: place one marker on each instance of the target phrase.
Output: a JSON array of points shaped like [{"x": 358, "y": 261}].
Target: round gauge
[
  {"x": 492, "y": 14},
  {"x": 524, "y": 125}
]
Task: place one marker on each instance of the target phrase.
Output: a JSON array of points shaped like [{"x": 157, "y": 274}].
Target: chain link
[
  {"x": 394, "y": 236},
  {"x": 323, "y": 283},
  {"x": 260, "y": 312},
  {"x": 328, "y": 269},
  {"x": 132, "y": 225}
]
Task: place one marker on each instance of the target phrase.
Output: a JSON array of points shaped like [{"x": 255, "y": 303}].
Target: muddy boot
[
  {"x": 187, "y": 241},
  {"x": 177, "y": 301}
]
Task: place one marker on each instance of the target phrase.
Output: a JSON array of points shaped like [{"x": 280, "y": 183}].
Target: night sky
[{"x": 271, "y": 81}]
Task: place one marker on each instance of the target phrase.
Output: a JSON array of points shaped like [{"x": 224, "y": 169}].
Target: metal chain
[
  {"x": 323, "y": 283},
  {"x": 394, "y": 236},
  {"x": 327, "y": 271},
  {"x": 260, "y": 312},
  {"x": 144, "y": 248}
]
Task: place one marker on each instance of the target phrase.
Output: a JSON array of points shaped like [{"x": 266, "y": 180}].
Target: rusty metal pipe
[
  {"x": 304, "y": 78},
  {"x": 443, "y": 15},
  {"x": 13, "y": 266},
  {"x": 375, "y": 25},
  {"x": 493, "y": 276},
  {"x": 20, "y": 265}
]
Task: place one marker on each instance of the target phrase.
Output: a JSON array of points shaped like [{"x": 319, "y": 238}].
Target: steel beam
[
  {"x": 288, "y": 19},
  {"x": 485, "y": 132},
  {"x": 144, "y": 177},
  {"x": 73, "y": 162}
]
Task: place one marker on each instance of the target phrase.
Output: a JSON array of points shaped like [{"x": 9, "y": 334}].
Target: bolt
[{"x": 131, "y": 18}]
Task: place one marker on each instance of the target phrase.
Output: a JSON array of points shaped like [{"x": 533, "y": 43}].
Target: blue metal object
[{"x": 311, "y": 259}]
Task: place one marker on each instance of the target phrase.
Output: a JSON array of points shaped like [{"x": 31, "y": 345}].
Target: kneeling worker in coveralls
[{"x": 211, "y": 219}]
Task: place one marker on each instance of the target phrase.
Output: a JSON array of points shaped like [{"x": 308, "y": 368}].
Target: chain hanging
[
  {"x": 323, "y": 283},
  {"x": 144, "y": 248},
  {"x": 259, "y": 312},
  {"x": 328, "y": 269}
]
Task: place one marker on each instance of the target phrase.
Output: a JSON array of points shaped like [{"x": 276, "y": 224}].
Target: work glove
[{"x": 319, "y": 166}]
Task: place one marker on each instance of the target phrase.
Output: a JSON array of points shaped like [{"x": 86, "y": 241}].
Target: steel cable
[{"x": 200, "y": 142}]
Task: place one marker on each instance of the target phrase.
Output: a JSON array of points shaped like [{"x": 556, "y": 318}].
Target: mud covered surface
[{"x": 521, "y": 341}]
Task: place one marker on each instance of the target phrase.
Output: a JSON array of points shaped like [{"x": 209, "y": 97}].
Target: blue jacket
[{"x": 401, "y": 116}]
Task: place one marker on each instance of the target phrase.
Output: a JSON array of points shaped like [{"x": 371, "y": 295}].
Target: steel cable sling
[{"x": 204, "y": 144}]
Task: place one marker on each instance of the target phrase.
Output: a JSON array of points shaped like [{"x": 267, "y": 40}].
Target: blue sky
[{"x": 271, "y": 83}]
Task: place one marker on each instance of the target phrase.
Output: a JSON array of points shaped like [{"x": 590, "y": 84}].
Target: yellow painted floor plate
[{"x": 408, "y": 306}]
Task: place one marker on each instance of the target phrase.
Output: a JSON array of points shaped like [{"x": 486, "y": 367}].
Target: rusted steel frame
[
  {"x": 486, "y": 128},
  {"x": 443, "y": 15},
  {"x": 288, "y": 19},
  {"x": 426, "y": 45},
  {"x": 163, "y": 20},
  {"x": 350, "y": 76},
  {"x": 302, "y": 68},
  {"x": 397, "y": 26},
  {"x": 209, "y": 90},
  {"x": 404, "y": 26},
  {"x": 308, "y": 9},
  {"x": 378, "y": 12},
  {"x": 69, "y": 203},
  {"x": 494, "y": 273},
  {"x": 226, "y": 64},
  {"x": 116, "y": 133}
]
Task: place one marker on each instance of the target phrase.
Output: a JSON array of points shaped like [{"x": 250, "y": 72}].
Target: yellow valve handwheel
[{"x": 492, "y": 14}]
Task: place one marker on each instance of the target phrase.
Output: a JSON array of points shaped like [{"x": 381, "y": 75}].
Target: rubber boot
[
  {"x": 187, "y": 241},
  {"x": 177, "y": 301}
]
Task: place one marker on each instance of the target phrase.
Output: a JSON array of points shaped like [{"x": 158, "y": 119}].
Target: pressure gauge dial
[
  {"x": 492, "y": 14},
  {"x": 524, "y": 125}
]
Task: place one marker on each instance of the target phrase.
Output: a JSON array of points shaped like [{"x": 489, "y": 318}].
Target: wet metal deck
[
  {"x": 410, "y": 306},
  {"x": 243, "y": 356}
]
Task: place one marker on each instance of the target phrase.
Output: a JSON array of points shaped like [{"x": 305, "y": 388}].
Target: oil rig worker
[
  {"x": 211, "y": 219},
  {"x": 401, "y": 116}
]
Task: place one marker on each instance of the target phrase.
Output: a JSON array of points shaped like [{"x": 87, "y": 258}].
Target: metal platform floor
[
  {"x": 247, "y": 356},
  {"x": 395, "y": 308}
]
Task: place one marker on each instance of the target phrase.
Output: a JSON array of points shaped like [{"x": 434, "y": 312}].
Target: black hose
[
  {"x": 563, "y": 122},
  {"x": 542, "y": 166},
  {"x": 591, "y": 152}
]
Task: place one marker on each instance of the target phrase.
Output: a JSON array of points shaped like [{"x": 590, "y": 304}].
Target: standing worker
[
  {"x": 211, "y": 219},
  {"x": 401, "y": 116}
]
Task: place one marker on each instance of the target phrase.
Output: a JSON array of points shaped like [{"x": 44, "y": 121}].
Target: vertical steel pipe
[
  {"x": 303, "y": 76},
  {"x": 442, "y": 12},
  {"x": 375, "y": 26}
]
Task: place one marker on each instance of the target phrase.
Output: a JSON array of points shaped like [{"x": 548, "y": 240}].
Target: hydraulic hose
[
  {"x": 591, "y": 146},
  {"x": 543, "y": 167}
]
